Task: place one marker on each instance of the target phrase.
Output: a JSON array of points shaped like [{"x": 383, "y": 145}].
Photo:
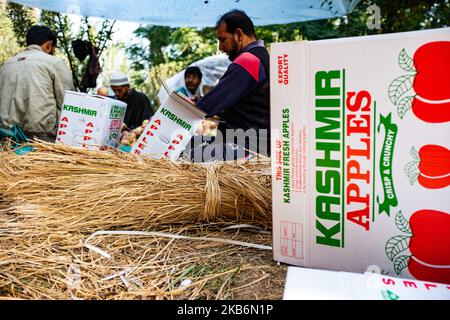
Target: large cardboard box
[
  {"x": 90, "y": 121},
  {"x": 170, "y": 129},
  {"x": 361, "y": 160},
  {"x": 314, "y": 284}
]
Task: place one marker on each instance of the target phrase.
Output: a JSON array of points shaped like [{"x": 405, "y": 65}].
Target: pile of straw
[
  {"x": 70, "y": 187},
  {"x": 53, "y": 199},
  {"x": 58, "y": 266}
]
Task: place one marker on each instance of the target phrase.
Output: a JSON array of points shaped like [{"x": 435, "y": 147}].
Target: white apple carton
[
  {"x": 361, "y": 159},
  {"x": 90, "y": 121},
  {"x": 314, "y": 284},
  {"x": 170, "y": 129}
]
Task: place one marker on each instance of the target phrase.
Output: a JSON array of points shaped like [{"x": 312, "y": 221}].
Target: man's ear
[
  {"x": 240, "y": 33},
  {"x": 47, "y": 46}
]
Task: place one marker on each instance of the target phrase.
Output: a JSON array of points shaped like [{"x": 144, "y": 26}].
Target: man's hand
[
  {"x": 208, "y": 125},
  {"x": 195, "y": 99}
]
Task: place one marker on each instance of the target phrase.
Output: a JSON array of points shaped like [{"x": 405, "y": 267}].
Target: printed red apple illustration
[
  {"x": 432, "y": 63},
  {"x": 430, "y": 167},
  {"x": 428, "y": 240},
  {"x": 428, "y": 74}
]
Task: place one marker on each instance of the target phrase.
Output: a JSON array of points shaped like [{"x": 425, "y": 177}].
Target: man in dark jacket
[
  {"x": 138, "y": 104},
  {"x": 241, "y": 98}
]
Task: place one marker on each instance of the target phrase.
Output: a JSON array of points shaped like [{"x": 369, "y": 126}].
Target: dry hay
[
  {"x": 51, "y": 200},
  {"x": 139, "y": 268},
  {"x": 107, "y": 190}
]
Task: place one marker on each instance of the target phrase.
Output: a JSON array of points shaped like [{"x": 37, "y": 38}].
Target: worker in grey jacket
[{"x": 32, "y": 86}]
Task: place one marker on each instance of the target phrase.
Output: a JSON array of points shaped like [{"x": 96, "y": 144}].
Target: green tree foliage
[
  {"x": 152, "y": 85},
  {"x": 189, "y": 45},
  {"x": 155, "y": 51},
  {"x": 87, "y": 32},
  {"x": 166, "y": 52},
  {"x": 409, "y": 15},
  {"x": 8, "y": 41},
  {"x": 396, "y": 16},
  {"x": 23, "y": 18},
  {"x": 164, "y": 44},
  {"x": 183, "y": 46}
]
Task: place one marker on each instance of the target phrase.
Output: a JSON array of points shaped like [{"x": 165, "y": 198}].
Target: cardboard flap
[
  {"x": 188, "y": 104},
  {"x": 75, "y": 93}
]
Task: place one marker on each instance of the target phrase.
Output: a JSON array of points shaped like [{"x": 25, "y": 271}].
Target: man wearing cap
[
  {"x": 192, "y": 80},
  {"x": 139, "y": 107},
  {"x": 32, "y": 86}
]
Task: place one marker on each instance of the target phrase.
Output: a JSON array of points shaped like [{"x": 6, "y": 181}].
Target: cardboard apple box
[
  {"x": 315, "y": 284},
  {"x": 90, "y": 121},
  {"x": 170, "y": 129},
  {"x": 361, "y": 154}
]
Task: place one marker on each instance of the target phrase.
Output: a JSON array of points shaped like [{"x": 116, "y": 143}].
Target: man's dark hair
[
  {"x": 40, "y": 35},
  {"x": 193, "y": 70},
  {"x": 237, "y": 19}
]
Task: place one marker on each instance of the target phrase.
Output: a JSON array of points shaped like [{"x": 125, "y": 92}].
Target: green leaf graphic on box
[
  {"x": 413, "y": 177},
  {"x": 395, "y": 245},
  {"x": 401, "y": 223},
  {"x": 400, "y": 263},
  {"x": 399, "y": 87},
  {"x": 404, "y": 105},
  {"x": 405, "y": 62},
  {"x": 412, "y": 171},
  {"x": 389, "y": 295},
  {"x": 414, "y": 154}
]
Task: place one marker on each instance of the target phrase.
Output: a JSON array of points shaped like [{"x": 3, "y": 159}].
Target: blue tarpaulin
[{"x": 198, "y": 13}]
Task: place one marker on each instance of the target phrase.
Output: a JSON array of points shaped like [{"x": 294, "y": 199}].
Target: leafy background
[{"x": 164, "y": 51}]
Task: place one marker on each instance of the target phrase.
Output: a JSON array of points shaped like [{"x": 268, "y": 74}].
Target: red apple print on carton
[
  {"x": 427, "y": 236},
  {"x": 430, "y": 167},
  {"x": 428, "y": 74},
  {"x": 432, "y": 63}
]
